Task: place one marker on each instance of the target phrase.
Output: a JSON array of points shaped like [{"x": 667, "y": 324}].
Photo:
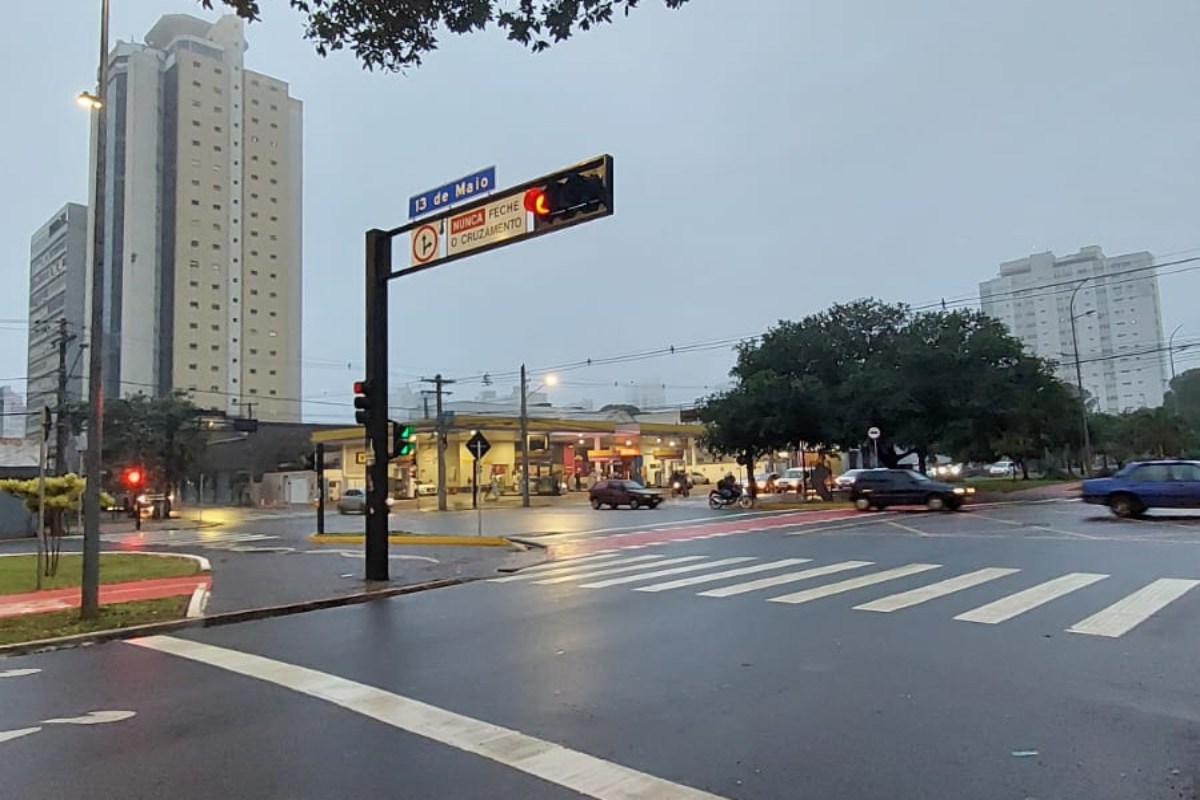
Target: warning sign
[
  {"x": 424, "y": 245},
  {"x": 498, "y": 221}
]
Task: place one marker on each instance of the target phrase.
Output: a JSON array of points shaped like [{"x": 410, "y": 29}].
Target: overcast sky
[{"x": 772, "y": 157}]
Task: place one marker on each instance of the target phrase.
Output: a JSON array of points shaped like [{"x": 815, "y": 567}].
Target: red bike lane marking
[
  {"x": 701, "y": 531},
  {"x": 66, "y": 599}
]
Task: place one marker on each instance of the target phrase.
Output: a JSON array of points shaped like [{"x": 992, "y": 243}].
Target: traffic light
[
  {"x": 403, "y": 440},
  {"x": 362, "y": 402},
  {"x": 571, "y": 196},
  {"x": 133, "y": 477}
]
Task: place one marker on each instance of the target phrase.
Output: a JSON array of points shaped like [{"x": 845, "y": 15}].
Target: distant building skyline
[{"x": 1118, "y": 321}]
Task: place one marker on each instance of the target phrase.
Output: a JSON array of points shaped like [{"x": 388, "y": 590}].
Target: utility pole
[
  {"x": 89, "y": 593},
  {"x": 439, "y": 383},
  {"x": 320, "y": 466},
  {"x": 524, "y": 439},
  {"x": 379, "y": 444},
  {"x": 62, "y": 432},
  {"x": 1083, "y": 414}
]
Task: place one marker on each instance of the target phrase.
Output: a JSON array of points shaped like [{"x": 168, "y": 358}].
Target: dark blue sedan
[{"x": 1147, "y": 484}]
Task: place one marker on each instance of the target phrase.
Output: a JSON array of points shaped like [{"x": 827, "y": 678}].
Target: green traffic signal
[{"x": 403, "y": 441}]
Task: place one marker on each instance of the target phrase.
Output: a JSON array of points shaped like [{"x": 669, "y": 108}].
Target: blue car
[{"x": 1147, "y": 484}]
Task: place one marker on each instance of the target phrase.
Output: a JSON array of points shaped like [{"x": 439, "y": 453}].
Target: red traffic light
[
  {"x": 133, "y": 477},
  {"x": 537, "y": 202},
  {"x": 360, "y": 387}
]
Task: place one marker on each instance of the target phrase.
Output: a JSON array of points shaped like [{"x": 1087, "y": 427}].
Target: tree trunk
[
  {"x": 921, "y": 461},
  {"x": 750, "y": 485},
  {"x": 1024, "y": 470}
]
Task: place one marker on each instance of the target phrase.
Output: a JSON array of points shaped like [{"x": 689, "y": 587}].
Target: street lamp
[
  {"x": 550, "y": 380},
  {"x": 89, "y": 605},
  {"x": 1171, "y": 350},
  {"x": 1087, "y": 436}
]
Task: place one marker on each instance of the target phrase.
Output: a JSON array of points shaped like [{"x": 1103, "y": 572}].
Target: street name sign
[{"x": 441, "y": 198}]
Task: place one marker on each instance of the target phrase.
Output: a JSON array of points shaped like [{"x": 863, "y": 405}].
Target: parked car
[
  {"x": 1001, "y": 469},
  {"x": 615, "y": 493},
  {"x": 700, "y": 479},
  {"x": 764, "y": 482},
  {"x": 843, "y": 482},
  {"x": 354, "y": 501},
  {"x": 1147, "y": 484},
  {"x": 792, "y": 480},
  {"x": 880, "y": 488}
]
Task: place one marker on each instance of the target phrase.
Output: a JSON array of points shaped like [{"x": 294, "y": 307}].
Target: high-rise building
[
  {"x": 1117, "y": 321},
  {"x": 57, "y": 269},
  {"x": 202, "y": 223},
  {"x": 12, "y": 414}
]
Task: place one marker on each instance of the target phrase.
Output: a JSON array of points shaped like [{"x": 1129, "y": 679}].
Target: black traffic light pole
[
  {"x": 379, "y": 266},
  {"x": 320, "y": 467},
  {"x": 586, "y": 188}
]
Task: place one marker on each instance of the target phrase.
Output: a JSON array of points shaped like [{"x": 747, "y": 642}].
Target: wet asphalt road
[{"x": 863, "y": 691}]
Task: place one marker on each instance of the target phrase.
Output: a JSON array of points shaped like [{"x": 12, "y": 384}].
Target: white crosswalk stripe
[
  {"x": 662, "y": 573},
  {"x": 853, "y": 583},
  {"x": 933, "y": 591},
  {"x": 615, "y": 568},
  {"x": 566, "y": 568},
  {"x": 1132, "y": 610},
  {"x": 779, "y": 580},
  {"x": 183, "y": 538},
  {"x": 720, "y": 576},
  {"x": 1015, "y": 604},
  {"x": 588, "y": 574}
]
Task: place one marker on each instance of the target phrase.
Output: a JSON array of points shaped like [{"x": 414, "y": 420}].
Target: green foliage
[
  {"x": 943, "y": 380},
  {"x": 1184, "y": 397},
  {"x": 394, "y": 34},
  {"x": 1145, "y": 433},
  {"x": 161, "y": 434},
  {"x": 63, "y": 492}
]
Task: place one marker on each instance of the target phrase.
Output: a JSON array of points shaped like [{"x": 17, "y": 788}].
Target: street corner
[{"x": 420, "y": 540}]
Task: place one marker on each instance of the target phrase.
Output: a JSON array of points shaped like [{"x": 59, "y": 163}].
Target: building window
[
  {"x": 253, "y": 371},
  {"x": 271, "y": 392},
  {"x": 271, "y": 314},
  {"x": 196, "y": 83},
  {"x": 195, "y": 104},
  {"x": 195, "y": 123},
  {"x": 193, "y": 346},
  {"x": 191, "y": 366},
  {"x": 193, "y": 326},
  {"x": 194, "y": 264},
  {"x": 214, "y": 368},
  {"x": 195, "y": 142},
  {"x": 194, "y": 304},
  {"x": 253, "y": 351},
  {"x": 194, "y": 284},
  {"x": 254, "y": 291},
  {"x": 216, "y": 327},
  {"x": 274, "y": 353},
  {"x": 271, "y": 372},
  {"x": 216, "y": 148}
]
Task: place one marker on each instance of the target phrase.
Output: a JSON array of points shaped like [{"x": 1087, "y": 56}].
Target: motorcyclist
[{"x": 728, "y": 488}]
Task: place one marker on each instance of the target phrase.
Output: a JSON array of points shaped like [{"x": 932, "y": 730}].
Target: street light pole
[
  {"x": 1087, "y": 437},
  {"x": 90, "y": 584},
  {"x": 1171, "y": 350}
]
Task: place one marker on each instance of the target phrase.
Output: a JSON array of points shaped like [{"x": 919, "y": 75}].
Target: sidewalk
[{"x": 14, "y": 605}]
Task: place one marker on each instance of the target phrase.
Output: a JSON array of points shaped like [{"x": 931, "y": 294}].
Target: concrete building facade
[
  {"x": 1117, "y": 321},
  {"x": 57, "y": 291},
  {"x": 203, "y": 214}
]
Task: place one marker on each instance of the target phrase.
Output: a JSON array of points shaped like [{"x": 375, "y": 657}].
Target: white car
[
  {"x": 1001, "y": 469},
  {"x": 844, "y": 481},
  {"x": 792, "y": 480}
]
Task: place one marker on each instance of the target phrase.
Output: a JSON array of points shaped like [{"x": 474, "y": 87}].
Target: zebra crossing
[
  {"x": 215, "y": 539},
  {"x": 740, "y": 575}
]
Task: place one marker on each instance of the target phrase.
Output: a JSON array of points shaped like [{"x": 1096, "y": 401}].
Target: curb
[
  {"x": 534, "y": 543},
  {"x": 417, "y": 539},
  {"x": 226, "y": 618}
]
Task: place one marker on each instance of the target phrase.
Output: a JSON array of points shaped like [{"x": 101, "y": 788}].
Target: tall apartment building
[
  {"x": 12, "y": 414},
  {"x": 57, "y": 270},
  {"x": 202, "y": 223},
  {"x": 1117, "y": 321}
]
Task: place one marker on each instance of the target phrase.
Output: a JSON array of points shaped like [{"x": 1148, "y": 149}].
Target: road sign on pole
[
  {"x": 873, "y": 433},
  {"x": 425, "y": 246},
  {"x": 478, "y": 445}
]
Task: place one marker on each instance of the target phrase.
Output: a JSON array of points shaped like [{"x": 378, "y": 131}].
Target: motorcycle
[
  {"x": 741, "y": 500},
  {"x": 680, "y": 487}
]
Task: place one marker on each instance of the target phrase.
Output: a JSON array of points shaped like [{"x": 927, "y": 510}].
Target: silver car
[{"x": 354, "y": 501}]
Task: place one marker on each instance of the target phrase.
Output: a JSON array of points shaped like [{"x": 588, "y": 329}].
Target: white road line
[
  {"x": 562, "y": 569},
  {"x": 1132, "y": 610},
  {"x": 1008, "y": 607},
  {"x": 563, "y": 563},
  {"x": 8, "y": 736},
  {"x": 196, "y": 605},
  {"x": 717, "y": 576},
  {"x": 790, "y": 577},
  {"x": 852, "y": 584},
  {"x": 904, "y": 527},
  {"x": 933, "y": 591},
  {"x": 19, "y": 673},
  {"x": 583, "y": 575},
  {"x": 579, "y": 772},
  {"x": 662, "y": 573}
]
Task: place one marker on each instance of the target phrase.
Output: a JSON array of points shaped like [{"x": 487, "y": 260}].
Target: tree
[
  {"x": 63, "y": 494},
  {"x": 392, "y": 35},
  {"x": 1183, "y": 397},
  {"x": 160, "y": 434}
]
